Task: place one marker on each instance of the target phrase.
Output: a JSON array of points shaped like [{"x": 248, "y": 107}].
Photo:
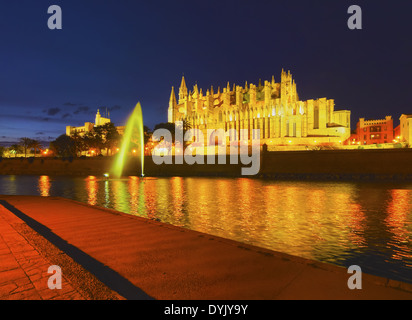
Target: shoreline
[{"x": 320, "y": 165}]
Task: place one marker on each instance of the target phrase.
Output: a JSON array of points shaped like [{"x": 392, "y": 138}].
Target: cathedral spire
[
  {"x": 195, "y": 92},
  {"x": 182, "y": 89},
  {"x": 172, "y": 106},
  {"x": 172, "y": 100},
  {"x": 183, "y": 83}
]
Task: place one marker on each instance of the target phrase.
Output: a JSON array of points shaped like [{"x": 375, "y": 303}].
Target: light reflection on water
[{"x": 341, "y": 223}]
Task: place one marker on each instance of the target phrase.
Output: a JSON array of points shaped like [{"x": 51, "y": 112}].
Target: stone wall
[{"x": 324, "y": 164}]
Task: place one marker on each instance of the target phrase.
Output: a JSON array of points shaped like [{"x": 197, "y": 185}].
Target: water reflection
[
  {"x": 44, "y": 186},
  {"x": 341, "y": 223},
  {"x": 118, "y": 195},
  {"x": 399, "y": 224},
  {"x": 178, "y": 201},
  {"x": 134, "y": 189},
  {"x": 92, "y": 189}
]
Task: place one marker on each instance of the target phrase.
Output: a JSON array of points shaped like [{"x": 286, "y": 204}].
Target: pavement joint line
[
  {"x": 25, "y": 286},
  {"x": 31, "y": 272},
  {"x": 17, "y": 289},
  {"x": 36, "y": 276},
  {"x": 21, "y": 267}
]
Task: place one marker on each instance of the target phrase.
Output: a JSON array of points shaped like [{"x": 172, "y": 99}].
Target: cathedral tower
[
  {"x": 182, "y": 91},
  {"x": 172, "y": 107}
]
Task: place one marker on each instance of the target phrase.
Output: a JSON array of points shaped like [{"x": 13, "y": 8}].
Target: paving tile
[{"x": 12, "y": 275}]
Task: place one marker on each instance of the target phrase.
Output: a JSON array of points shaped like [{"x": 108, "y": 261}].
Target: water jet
[{"x": 133, "y": 132}]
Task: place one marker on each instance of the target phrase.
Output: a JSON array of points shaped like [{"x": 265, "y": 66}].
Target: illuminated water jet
[{"x": 133, "y": 130}]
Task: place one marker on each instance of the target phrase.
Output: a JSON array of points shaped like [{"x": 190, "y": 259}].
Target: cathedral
[{"x": 273, "y": 107}]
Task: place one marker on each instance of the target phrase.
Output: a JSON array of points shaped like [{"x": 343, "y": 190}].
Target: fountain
[{"x": 134, "y": 128}]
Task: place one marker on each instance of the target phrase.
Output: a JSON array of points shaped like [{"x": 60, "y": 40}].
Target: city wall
[{"x": 319, "y": 164}]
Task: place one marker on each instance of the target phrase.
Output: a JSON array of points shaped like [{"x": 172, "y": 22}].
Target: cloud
[
  {"x": 53, "y": 111},
  {"x": 66, "y": 115},
  {"x": 69, "y": 104},
  {"x": 82, "y": 109},
  {"x": 116, "y": 107},
  {"x": 39, "y": 133},
  {"x": 8, "y": 121}
]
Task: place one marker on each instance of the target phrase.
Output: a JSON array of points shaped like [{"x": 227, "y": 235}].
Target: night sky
[{"x": 112, "y": 54}]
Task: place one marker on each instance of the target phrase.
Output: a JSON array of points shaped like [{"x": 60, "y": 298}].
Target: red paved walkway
[
  {"x": 23, "y": 270},
  {"x": 152, "y": 259}
]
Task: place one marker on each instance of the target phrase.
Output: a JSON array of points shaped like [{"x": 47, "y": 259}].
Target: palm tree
[
  {"x": 35, "y": 145},
  {"x": 185, "y": 127},
  {"x": 25, "y": 143}
]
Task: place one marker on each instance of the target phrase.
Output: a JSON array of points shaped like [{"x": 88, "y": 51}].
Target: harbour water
[{"x": 342, "y": 223}]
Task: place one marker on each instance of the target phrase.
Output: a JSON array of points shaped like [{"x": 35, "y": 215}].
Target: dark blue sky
[{"x": 112, "y": 54}]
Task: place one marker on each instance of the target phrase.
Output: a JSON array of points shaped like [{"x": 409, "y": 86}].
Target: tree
[
  {"x": 147, "y": 134},
  {"x": 184, "y": 127},
  {"x": 25, "y": 143},
  {"x": 109, "y": 135},
  {"x": 36, "y": 145},
  {"x": 2, "y": 150},
  {"x": 78, "y": 142},
  {"x": 63, "y": 146},
  {"x": 93, "y": 140},
  {"x": 168, "y": 126},
  {"x": 15, "y": 149}
]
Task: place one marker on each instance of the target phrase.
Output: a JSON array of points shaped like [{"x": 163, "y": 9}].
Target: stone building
[
  {"x": 405, "y": 129},
  {"x": 88, "y": 126},
  {"x": 373, "y": 131},
  {"x": 273, "y": 107}
]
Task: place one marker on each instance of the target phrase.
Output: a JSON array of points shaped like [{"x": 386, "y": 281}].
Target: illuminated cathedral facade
[{"x": 273, "y": 107}]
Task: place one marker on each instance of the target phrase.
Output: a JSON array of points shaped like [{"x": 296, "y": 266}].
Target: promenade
[
  {"x": 104, "y": 254},
  {"x": 329, "y": 165}
]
